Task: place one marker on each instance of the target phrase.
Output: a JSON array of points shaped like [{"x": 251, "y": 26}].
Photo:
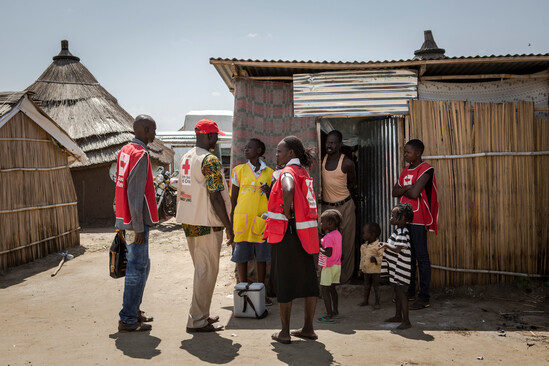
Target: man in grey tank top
[{"x": 338, "y": 184}]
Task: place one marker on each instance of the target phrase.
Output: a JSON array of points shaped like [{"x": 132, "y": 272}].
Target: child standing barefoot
[
  {"x": 329, "y": 259},
  {"x": 398, "y": 256},
  {"x": 370, "y": 261}
]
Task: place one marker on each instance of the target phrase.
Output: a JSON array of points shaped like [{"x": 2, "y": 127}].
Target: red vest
[
  {"x": 305, "y": 210},
  {"x": 128, "y": 157},
  {"x": 425, "y": 208}
]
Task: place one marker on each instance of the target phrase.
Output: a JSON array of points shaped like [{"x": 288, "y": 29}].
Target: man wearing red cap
[{"x": 203, "y": 208}]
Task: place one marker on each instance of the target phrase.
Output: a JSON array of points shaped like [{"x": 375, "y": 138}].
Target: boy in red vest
[
  {"x": 418, "y": 187},
  {"x": 135, "y": 213}
]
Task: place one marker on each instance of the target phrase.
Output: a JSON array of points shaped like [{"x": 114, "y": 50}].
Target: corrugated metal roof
[
  {"x": 186, "y": 138},
  {"x": 464, "y": 65},
  {"x": 360, "y": 93}
]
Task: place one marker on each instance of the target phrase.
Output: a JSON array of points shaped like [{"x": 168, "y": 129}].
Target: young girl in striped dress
[{"x": 398, "y": 257}]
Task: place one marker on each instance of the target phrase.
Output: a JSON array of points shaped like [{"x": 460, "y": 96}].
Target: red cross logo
[
  {"x": 408, "y": 180},
  {"x": 186, "y": 167}
]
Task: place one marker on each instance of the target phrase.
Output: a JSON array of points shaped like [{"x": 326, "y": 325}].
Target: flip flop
[
  {"x": 274, "y": 337},
  {"x": 325, "y": 320},
  {"x": 205, "y": 329},
  {"x": 418, "y": 305},
  {"x": 298, "y": 334},
  {"x": 213, "y": 319}
]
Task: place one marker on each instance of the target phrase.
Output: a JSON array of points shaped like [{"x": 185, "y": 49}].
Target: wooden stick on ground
[{"x": 59, "y": 266}]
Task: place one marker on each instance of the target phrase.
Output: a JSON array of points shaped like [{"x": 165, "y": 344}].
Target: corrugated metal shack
[
  {"x": 38, "y": 212},
  {"x": 378, "y": 105}
]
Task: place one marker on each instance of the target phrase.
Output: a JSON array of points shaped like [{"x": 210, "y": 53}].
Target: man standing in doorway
[
  {"x": 338, "y": 183},
  {"x": 203, "y": 208},
  {"x": 135, "y": 213}
]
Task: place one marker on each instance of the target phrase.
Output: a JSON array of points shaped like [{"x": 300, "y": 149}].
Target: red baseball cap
[{"x": 207, "y": 126}]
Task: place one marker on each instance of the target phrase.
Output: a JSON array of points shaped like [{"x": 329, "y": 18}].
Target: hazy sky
[{"x": 153, "y": 56}]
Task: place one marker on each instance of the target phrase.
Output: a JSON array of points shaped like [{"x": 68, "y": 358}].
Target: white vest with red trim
[
  {"x": 194, "y": 206},
  {"x": 305, "y": 210},
  {"x": 128, "y": 157}
]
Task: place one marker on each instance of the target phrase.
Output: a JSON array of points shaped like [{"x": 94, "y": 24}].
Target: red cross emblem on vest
[{"x": 186, "y": 167}]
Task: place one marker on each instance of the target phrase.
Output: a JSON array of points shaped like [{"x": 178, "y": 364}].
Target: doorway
[{"x": 372, "y": 144}]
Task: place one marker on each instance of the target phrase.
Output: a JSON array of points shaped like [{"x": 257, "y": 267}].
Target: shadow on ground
[
  {"x": 137, "y": 344},
  {"x": 303, "y": 352},
  {"x": 211, "y": 348},
  {"x": 14, "y": 275},
  {"x": 474, "y": 308}
]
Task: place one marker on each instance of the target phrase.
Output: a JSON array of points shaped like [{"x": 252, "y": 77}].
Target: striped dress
[{"x": 398, "y": 265}]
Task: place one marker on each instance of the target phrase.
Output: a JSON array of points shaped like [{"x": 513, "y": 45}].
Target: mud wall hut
[
  {"x": 38, "y": 213},
  {"x": 483, "y": 120},
  {"x": 70, "y": 94}
]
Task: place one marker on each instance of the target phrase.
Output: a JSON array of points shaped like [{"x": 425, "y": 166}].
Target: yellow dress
[{"x": 251, "y": 204}]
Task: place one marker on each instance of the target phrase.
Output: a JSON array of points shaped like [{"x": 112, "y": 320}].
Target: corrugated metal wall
[
  {"x": 354, "y": 93},
  {"x": 378, "y": 171}
]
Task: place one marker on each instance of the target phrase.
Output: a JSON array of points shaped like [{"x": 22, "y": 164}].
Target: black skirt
[{"x": 293, "y": 272}]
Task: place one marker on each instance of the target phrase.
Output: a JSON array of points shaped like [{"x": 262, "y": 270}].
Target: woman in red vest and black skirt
[{"x": 292, "y": 229}]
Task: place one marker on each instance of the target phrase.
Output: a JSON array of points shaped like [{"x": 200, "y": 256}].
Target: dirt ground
[{"x": 71, "y": 319}]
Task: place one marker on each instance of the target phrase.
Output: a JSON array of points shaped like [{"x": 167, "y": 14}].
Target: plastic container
[{"x": 255, "y": 292}]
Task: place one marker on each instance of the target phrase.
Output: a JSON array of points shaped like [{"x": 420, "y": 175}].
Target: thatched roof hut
[
  {"x": 38, "y": 213},
  {"x": 70, "y": 94}
]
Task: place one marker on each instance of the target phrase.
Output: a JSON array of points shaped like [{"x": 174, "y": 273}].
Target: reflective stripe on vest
[
  {"x": 306, "y": 224},
  {"x": 304, "y": 208},
  {"x": 276, "y": 216}
]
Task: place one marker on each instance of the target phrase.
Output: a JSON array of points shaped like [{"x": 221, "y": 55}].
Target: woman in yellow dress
[{"x": 249, "y": 196}]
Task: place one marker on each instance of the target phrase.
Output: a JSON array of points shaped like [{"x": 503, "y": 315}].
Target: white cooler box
[{"x": 246, "y": 294}]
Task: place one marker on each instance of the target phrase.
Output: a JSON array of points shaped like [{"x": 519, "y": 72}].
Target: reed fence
[
  {"x": 492, "y": 166},
  {"x": 38, "y": 213}
]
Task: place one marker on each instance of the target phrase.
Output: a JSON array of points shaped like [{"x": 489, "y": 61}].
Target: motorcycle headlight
[{"x": 162, "y": 186}]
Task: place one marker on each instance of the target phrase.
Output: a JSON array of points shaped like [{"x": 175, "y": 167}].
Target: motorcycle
[{"x": 165, "y": 187}]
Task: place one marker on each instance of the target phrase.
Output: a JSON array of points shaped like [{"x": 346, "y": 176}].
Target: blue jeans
[
  {"x": 137, "y": 271},
  {"x": 244, "y": 252},
  {"x": 418, "y": 238}
]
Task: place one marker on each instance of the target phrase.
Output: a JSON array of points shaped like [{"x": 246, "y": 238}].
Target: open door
[{"x": 378, "y": 170}]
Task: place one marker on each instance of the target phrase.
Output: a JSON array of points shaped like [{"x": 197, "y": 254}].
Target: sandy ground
[{"x": 71, "y": 319}]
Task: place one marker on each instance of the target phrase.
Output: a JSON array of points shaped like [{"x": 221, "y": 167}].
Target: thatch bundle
[
  {"x": 71, "y": 95},
  {"x": 492, "y": 187},
  {"x": 38, "y": 213}
]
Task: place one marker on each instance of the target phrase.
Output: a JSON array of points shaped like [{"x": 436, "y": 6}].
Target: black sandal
[
  {"x": 208, "y": 328},
  {"x": 136, "y": 327},
  {"x": 144, "y": 318}
]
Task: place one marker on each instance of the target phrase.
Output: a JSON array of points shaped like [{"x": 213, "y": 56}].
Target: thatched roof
[
  {"x": 8, "y": 100},
  {"x": 12, "y": 103},
  {"x": 70, "y": 94},
  {"x": 429, "y": 49}
]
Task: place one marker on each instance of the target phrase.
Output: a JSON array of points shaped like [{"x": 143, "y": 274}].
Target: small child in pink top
[{"x": 329, "y": 259}]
